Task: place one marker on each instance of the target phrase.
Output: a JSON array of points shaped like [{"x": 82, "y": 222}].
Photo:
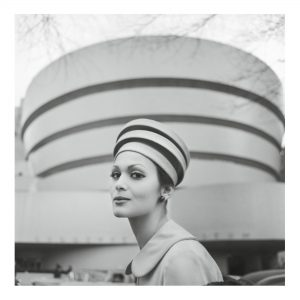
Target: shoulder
[
  {"x": 188, "y": 254},
  {"x": 189, "y": 248},
  {"x": 188, "y": 263}
]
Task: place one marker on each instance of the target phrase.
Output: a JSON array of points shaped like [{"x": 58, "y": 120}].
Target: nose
[{"x": 120, "y": 184}]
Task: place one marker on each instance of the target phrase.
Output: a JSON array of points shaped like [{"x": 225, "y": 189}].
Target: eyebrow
[{"x": 129, "y": 167}]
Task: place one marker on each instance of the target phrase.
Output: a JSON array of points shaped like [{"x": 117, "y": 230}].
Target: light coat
[{"x": 174, "y": 257}]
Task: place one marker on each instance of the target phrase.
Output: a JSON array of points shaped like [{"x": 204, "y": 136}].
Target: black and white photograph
[{"x": 149, "y": 150}]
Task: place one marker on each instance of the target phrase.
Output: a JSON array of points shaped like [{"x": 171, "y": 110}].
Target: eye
[
  {"x": 137, "y": 175},
  {"x": 115, "y": 175}
]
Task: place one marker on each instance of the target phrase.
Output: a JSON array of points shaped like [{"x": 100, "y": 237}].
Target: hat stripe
[
  {"x": 159, "y": 139},
  {"x": 171, "y": 158},
  {"x": 155, "y": 130}
]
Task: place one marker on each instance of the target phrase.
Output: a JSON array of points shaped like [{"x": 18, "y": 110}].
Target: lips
[{"x": 120, "y": 198}]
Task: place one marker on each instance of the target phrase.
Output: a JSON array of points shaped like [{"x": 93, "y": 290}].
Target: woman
[{"x": 149, "y": 162}]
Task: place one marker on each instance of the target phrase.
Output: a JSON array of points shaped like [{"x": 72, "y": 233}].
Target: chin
[{"x": 119, "y": 213}]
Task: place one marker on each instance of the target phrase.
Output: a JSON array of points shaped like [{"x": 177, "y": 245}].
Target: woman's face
[{"x": 135, "y": 187}]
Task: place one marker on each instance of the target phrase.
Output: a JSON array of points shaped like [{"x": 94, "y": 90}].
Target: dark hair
[{"x": 163, "y": 178}]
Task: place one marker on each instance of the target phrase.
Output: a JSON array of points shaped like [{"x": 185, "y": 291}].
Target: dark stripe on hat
[
  {"x": 155, "y": 130},
  {"x": 152, "y": 82},
  {"x": 165, "y": 152}
]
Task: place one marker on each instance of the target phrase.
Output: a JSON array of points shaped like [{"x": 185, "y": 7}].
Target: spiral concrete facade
[{"x": 225, "y": 103}]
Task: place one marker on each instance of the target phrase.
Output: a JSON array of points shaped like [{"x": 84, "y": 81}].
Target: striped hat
[{"x": 158, "y": 143}]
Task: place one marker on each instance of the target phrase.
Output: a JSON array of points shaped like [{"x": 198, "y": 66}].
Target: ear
[{"x": 167, "y": 191}]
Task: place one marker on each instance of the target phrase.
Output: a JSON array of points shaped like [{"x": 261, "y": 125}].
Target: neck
[{"x": 144, "y": 227}]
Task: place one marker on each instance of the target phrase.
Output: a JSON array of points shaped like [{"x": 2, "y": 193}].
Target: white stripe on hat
[
  {"x": 157, "y": 142},
  {"x": 157, "y": 139},
  {"x": 164, "y": 129}
]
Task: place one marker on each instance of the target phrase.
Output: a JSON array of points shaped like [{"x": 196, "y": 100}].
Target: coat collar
[{"x": 154, "y": 250}]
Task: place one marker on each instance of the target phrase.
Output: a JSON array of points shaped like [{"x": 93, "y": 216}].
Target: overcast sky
[{"x": 42, "y": 39}]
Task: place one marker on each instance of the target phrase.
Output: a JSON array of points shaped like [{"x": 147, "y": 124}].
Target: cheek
[{"x": 147, "y": 191}]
